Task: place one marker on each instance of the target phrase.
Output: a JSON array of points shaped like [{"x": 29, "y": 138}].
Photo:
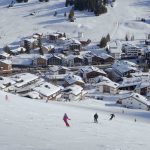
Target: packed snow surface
[{"x": 36, "y": 125}]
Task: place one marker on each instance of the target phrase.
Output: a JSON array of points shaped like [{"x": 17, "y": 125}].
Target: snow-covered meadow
[{"x": 16, "y": 22}]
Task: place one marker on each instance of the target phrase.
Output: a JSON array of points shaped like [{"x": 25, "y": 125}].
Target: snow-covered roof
[
  {"x": 23, "y": 79},
  {"x": 109, "y": 83},
  {"x": 88, "y": 69},
  {"x": 136, "y": 96},
  {"x": 31, "y": 40},
  {"x": 141, "y": 98},
  {"x": 47, "y": 89},
  {"x": 60, "y": 76},
  {"x": 6, "y": 80},
  {"x": 139, "y": 82},
  {"x": 6, "y": 61},
  {"x": 105, "y": 56},
  {"x": 73, "y": 89},
  {"x": 22, "y": 61},
  {"x": 70, "y": 78},
  {"x": 141, "y": 74},
  {"x": 72, "y": 41},
  {"x": 143, "y": 85},
  {"x": 48, "y": 46},
  {"x": 33, "y": 94},
  {"x": 70, "y": 57},
  {"x": 100, "y": 79},
  {"x": 124, "y": 66},
  {"x": 56, "y": 68},
  {"x": 18, "y": 49},
  {"x": 2, "y": 53}
]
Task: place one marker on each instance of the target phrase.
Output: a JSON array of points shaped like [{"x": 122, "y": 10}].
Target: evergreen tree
[
  {"x": 25, "y": 1},
  {"x": 7, "y": 49},
  {"x": 65, "y": 14},
  {"x": 108, "y": 37},
  {"x": 103, "y": 42},
  {"x": 55, "y": 14},
  {"x": 148, "y": 36},
  {"x": 41, "y": 51},
  {"x": 19, "y": 1},
  {"x": 132, "y": 38},
  {"x": 71, "y": 15},
  {"x": 67, "y": 3},
  {"x": 39, "y": 42},
  {"x": 127, "y": 37}
]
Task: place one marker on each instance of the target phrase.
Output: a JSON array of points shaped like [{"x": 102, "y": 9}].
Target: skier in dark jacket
[
  {"x": 112, "y": 116},
  {"x": 95, "y": 118}
]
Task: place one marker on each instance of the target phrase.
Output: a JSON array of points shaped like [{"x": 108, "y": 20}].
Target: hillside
[
  {"x": 35, "y": 125},
  {"x": 118, "y": 21}
]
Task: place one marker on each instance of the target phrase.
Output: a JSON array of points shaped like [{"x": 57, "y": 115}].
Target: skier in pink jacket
[{"x": 65, "y": 118}]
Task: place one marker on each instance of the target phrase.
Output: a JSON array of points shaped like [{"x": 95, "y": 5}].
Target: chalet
[
  {"x": 55, "y": 36},
  {"x": 108, "y": 87},
  {"x": 143, "y": 88},
  {"x": 134, "y": 101},
  {"x": 124, "y": 68},
  {"x": 55, "y": 79},
  {"x": 114, "y": 49},
  {"x": 92, "y": 59},
  {"x": 74, "y": 60},
  {"x": 71, "y": 79},
  {"x": 54, "y": 60},
  {"x": 5, "y": 66},
  {"x": 37, "y": 35},
  {"x": 90, "y": 72},
  {"x": 72, "y": 44},
  {"x": 107, "y": 59},
  {"x": 48, "y": 48},
  {"x": 40, "y": 61},
  {"x": 48, "y": 91},
  {"x": 73, "y": 92},
  {"x": 4, "y": 55},
  {"x": 30, "y": 43},
  {"x": 129, "y": 83},
  {"x": 56, "y": 70}
]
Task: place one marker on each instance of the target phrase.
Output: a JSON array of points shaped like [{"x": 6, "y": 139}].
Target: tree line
[{"x": 96, "y": 6}]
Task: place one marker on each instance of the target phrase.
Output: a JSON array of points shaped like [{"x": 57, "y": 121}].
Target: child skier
[{"x": 65, "y": 118}]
